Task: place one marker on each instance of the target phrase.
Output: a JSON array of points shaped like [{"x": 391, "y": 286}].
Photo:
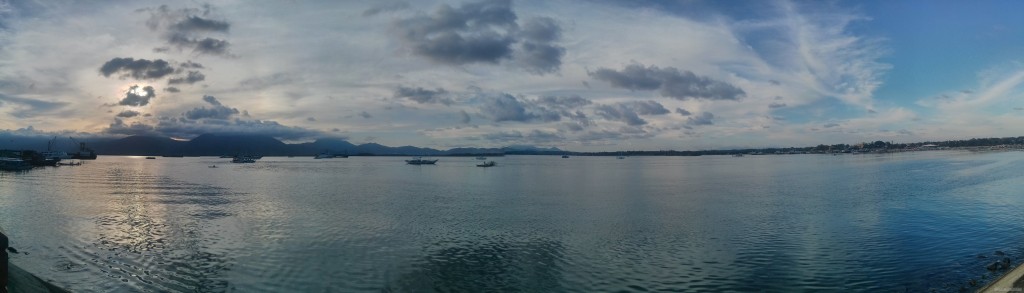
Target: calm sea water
[{"x": 906, "y": 222}]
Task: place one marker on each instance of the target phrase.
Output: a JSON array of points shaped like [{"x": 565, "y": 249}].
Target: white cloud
[{"x": 331, "y": 60}]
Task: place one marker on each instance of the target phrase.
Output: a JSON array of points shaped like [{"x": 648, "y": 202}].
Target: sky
[{"x": 597, "y": 75}]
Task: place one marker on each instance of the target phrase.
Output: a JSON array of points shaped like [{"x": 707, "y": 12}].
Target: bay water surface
[{"x": 924, "y": 221}]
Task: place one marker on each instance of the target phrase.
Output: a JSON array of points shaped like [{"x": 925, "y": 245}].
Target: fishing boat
[
  {"x": 324, "y": 155},
  {"x": 420, "y": 161},
  {"x": 487, "y": 164},
  {"x": 565, "y": 156}
]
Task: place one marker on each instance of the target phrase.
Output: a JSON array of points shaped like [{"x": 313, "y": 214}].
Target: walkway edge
[{"x": 1012, "y": 281}]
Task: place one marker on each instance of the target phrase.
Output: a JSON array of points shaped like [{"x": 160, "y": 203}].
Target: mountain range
[{"x": 230, "y": 144}]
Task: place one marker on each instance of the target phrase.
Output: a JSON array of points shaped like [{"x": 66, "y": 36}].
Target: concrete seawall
[{"x": 1012, "y": 281}]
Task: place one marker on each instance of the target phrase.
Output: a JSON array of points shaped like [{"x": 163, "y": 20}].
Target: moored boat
[
  {"x": 420, "y": 161},
  {"x": 69, "y": 164},
  {"x": 14, "y": 164}
]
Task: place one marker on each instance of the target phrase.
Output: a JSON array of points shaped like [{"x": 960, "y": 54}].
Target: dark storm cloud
[
  {"x": 776, "y": 105},
  {"x": 192, "y": 77},
  {"x": 128, "y": 114},
  {"x": 471, "y": 33},
  {"x": 619, "y": 113},
  {"x": 630, "y": 112},
  {"x": 647, "y": 108},
  {"x": 133, "y": 98},
  {"x": 194, "y": 23},
  {"x": 483, "y": 32},
  {"x": 669, "y": 82},
  {"x": 136, "y": 128},
  {"x": 26, "y": 107},
  {"x": 423, "y": 96},
  {"x": 139, "y": 69},
  {"x": 704, "y": 118},
  {"x": 386, "y": 7},
  {"x": 465, "y": 117},
  {"x": 171, "y": 89},
  {"x": 365, "y": 115},
  {"x": 541, "y": 30},
  {"x": 505, "y": 107},
  {"x": 310, "y": 119},
  {"x": 187, "y": 28},
  {"x": 541, "y": 58},
  {"x": 218, "y": 111},
  {"x": 539, "y": 54},
  {"x": 683, "y": 112}
]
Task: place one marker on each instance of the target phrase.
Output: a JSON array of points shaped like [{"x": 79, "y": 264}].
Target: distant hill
[
  {"x": 139, "y": 146},
  {"x": 230, "y": 144}
]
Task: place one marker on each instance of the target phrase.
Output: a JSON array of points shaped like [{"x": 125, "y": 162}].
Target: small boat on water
[
  {"x": 226, "y": 157},
  {"x": 150, "y": 158},
  {"x": 487, "y": 164},
  {"x": 213, "y": 166},
  {"x": 737, "y": 155},
  {"x": 14, "y": 164},
  {"x": 243, "y": 160},
  {"x": 565, "y": 156},
  {"x": 69, "y": 163},
  {"x": 420, "y": 161},
  {"x": 481, "y": 158}
]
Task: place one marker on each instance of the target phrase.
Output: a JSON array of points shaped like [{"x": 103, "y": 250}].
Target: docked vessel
[
  {"x": 420, "y": 161},
  {"x": 14, "y": 164},
  {"x": 83, "y": 153}
]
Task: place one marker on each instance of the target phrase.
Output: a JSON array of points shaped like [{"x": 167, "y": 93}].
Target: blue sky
[{"x": 579, "y": 75}]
